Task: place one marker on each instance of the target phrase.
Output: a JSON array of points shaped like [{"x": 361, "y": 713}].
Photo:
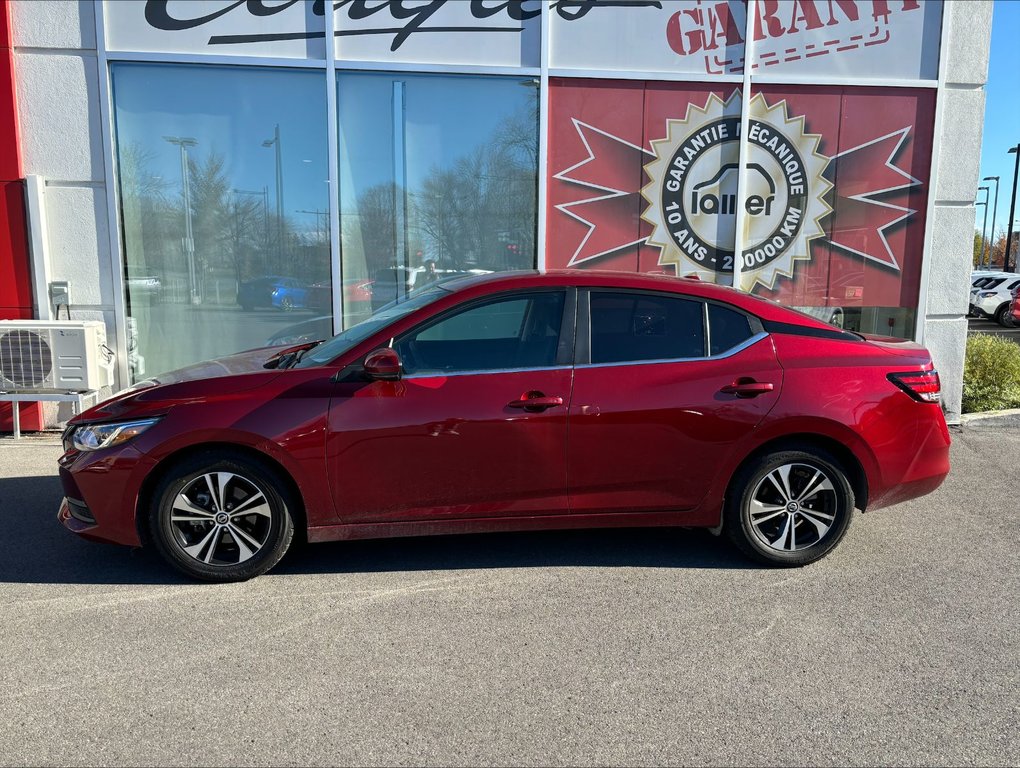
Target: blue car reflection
[{"x": 284, "y": 293}]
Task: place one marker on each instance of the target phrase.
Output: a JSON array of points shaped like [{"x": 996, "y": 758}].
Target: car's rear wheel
[
  {"x": 789, "y": 507},
  {"x": 221, "y": 517}
]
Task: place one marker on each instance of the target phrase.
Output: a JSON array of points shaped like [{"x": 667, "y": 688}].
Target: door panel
[
  {"x": 477, "y": 427},
  {"x": 649, "y": 436},
  {"x": 448, "y": 446}
]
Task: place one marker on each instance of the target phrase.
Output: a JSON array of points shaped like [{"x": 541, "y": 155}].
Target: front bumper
[
  {"x": 101, "y": 492},
  {"x": 977, "y": 311},
  {"x": 69, "y": 516}
]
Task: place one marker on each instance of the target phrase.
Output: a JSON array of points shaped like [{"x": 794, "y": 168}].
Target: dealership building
[{"x": 209, "y": 176}]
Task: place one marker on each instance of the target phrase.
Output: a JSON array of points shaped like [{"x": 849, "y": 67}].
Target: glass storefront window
[
  {"x": 438, "y": 177},
  {"x": 224, "y": 199}
]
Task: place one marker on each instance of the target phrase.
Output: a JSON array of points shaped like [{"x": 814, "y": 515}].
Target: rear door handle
[
  {"x": 747, "y": 388},
  {"x": 535, "y": 401}
]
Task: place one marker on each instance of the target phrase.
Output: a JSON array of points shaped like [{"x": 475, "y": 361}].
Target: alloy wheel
[
  {"x": 793, "y": 507},
  {"x": 221, "y": 519}
]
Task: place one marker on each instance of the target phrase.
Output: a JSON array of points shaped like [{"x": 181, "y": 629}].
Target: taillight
[{"x": 920, "y": 385}]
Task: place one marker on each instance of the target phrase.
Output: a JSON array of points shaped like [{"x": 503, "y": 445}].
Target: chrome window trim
[
  {"x": 749, "y": 342},
  {"x": 483, "y": 372},
  {"x": 707, "y": 326}
]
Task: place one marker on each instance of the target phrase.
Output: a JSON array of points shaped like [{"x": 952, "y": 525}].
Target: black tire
[
  {"x": 804, "y": 512},
  {"x": 230, "y": 552},
  {"x": 1002, "y": 316}
]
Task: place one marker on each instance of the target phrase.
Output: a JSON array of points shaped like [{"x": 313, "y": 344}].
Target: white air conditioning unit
[{"x": 54, "y": 356}]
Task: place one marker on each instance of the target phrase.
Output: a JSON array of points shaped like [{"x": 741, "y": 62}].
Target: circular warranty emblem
[{"x": 693, "y": 191}]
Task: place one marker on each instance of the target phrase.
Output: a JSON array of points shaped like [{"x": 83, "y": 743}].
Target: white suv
[{"x": 991, "y": 297}]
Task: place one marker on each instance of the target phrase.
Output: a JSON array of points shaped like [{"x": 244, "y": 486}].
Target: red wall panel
[{"x": 15, "y": 274}]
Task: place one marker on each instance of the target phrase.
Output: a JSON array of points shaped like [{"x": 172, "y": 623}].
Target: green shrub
[{"x": 991, "y": 374}]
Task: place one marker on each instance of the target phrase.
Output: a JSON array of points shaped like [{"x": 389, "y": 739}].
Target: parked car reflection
[{"x": 284, "y": 293}]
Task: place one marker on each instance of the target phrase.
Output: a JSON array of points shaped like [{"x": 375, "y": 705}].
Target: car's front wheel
[
  {"x": 789, "y": 507},
  {"x": 222, "y": 517},
  {"x": 1003, "y": 317}
]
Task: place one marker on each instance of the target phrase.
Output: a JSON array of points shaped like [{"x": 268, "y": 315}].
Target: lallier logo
[
  {"x": 693, "y": 197},
  {"x": 690, "y": 199}
]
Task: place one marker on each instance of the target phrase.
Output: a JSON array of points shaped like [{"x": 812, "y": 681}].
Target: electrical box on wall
[{"x": 60, "y": 296}]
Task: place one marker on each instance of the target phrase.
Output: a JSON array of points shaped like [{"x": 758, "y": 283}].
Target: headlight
[{"x": 92, "y": 437}]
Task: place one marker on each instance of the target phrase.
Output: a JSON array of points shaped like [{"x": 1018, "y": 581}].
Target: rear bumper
[{"x": 926, "y": 469}]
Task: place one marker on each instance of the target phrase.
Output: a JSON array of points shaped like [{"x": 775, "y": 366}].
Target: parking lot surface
[
  {"x": 980, "y": 325},
  {"x": 640, "y": 647}
]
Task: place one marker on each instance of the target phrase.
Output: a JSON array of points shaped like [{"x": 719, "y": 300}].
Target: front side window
[
  {"x": 515, "y": 332},
  {"x": 629, "y": 327}
]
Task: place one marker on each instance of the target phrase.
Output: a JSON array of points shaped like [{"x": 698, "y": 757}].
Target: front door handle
[
  {"x": 535, "y": 401},
  {"x": 747, "y": 387}
]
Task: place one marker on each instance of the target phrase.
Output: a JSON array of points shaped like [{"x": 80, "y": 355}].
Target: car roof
[{"x": 600, "y": 278}]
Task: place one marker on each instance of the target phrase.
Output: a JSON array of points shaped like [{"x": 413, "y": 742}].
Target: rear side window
[
  {"x": 727, "y": 328},
  {"x": 629, "y": 327}
]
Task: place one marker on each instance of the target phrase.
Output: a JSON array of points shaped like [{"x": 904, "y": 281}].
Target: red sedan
[{"x": 517, "y": 401}]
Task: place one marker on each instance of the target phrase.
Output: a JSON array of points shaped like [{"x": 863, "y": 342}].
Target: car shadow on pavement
[
  {"x": 35, "y": 548},
  {"x": 606, "y": 547}
]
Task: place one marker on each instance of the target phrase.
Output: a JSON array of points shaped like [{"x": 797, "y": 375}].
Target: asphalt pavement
[
  {"x": 637, "y": 647},
  {"x": 980, "y": 325}
]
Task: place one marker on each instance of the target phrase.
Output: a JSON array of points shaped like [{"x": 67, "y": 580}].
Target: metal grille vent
[{"x": 25, "y": 358}]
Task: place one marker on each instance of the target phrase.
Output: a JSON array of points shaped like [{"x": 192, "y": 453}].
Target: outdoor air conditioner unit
[{"x": 38, "y": 356}]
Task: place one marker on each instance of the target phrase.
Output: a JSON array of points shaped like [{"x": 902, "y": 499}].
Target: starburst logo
[
  {"x": 688, "y": 202},
  {"x": 692, "y": 192}
]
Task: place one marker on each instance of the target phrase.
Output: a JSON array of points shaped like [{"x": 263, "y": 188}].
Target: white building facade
[{"x": 211, "y": 176}]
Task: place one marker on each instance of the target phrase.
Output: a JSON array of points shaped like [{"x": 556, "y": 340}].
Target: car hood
[
  {"x": 249, "y": 361},
  {"x": 233, "y": 374}
]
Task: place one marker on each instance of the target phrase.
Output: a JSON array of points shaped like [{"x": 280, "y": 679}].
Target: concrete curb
[{"x": 988, "y": 419}]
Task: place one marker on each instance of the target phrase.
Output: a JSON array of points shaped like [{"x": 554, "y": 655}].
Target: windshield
[{"x": 330, "y": 350}]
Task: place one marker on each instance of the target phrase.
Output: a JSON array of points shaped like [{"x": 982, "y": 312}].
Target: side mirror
[{"x": 383, "y": 364}]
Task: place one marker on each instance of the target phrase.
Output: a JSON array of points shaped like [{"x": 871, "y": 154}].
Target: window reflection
[
  {"x": 224, "y": 195},
  {"x": 437, "y": 178}
]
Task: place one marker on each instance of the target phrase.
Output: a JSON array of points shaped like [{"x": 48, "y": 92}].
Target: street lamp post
[
  {"x": 275, "y": 141},
  {"x": 188, "y": 242},
  {"x": 984, "y": 227},
  {"x": 995, "y": 210},
  {"x": 1012, "y": 205},
  {"x": 981, "y": 253}
]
